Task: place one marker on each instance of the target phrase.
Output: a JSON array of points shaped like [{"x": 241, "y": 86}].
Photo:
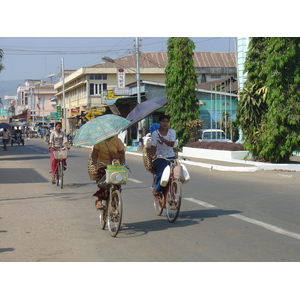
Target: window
[
  {"x": 215, "y": 76},
  {"x": 98, "y": 76},
  {"x": 97, "y": 88}
]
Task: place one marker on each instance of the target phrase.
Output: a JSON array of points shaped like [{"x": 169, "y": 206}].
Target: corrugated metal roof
[{"x": 160, "y": 60}]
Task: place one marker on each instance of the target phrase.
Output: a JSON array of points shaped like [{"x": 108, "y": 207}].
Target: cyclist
[
  {"x": 58, "y": 138},
  {"x": 162, "y": 143},
  {"x": 106, "y": 151}
]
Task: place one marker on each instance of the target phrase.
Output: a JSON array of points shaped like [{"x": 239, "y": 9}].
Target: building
[
  {"x": 88, "y": 89},
  {"x": 37, "y": 98}
]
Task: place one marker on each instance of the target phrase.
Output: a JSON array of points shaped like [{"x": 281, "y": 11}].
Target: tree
[
  {"x": 181, "y": 80},
  {"x": 273, "y": 71}
]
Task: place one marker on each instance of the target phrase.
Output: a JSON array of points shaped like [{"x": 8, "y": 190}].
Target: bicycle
[
  {"x": 111, "y": 213},
  {"x": 60, "y": 153},
  {"x": 171, "y": 198}
]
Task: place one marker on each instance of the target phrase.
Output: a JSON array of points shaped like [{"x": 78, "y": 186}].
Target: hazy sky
[{"x": 38, "y": 57}]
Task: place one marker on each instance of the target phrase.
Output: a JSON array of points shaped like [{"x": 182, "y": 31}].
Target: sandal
[
  {"x": 99, "y": 204},
  {"x": 155, "y": 193},
  {"x": 53, "y": 180}
]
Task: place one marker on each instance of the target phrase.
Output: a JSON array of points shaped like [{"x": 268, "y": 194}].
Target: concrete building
[
  {"x": 88, "y": 89},
  {"x": 38, "y": 98}
]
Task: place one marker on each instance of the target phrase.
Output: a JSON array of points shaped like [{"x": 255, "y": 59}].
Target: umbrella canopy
[
  {"x": 16, "y": 124},
  {"x": 4, "y": 125},
  {"x": 144, "y": 109},
  {"x": 100, "y": 129}
]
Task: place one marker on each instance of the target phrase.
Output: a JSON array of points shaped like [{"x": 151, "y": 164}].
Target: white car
[{"x": 213, "y": 135}]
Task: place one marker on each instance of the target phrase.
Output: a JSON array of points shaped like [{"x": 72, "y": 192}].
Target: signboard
[
  {"x": 75, "y": 111},
  {"x": 110, "y": 95},
  {"x": 121, "y": 91},
  {"x": 58, "y": 108},
  {"x": 121, "y": 78},
  {"x": 55, "y": 115}
]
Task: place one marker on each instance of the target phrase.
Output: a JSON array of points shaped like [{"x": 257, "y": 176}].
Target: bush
[{"x": 216, "y": 146}]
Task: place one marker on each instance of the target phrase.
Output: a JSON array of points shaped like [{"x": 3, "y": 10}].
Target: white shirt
[
  {"x": 162, "y": 148},
  {"x": 58, "y": 140}
]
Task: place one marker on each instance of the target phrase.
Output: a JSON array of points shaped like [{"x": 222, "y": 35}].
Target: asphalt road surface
[{"x": 225, "y": 216}]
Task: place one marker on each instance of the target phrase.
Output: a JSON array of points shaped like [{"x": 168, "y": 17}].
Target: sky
[{"x": 38, "y": 57}]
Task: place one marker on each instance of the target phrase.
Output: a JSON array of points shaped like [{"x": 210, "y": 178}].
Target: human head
[
  {"x": 163, "y": 121},
  {"x": 58, "y": 126}
]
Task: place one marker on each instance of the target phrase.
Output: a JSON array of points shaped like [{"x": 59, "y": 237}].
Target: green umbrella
[{"x": 100, "y": 129}]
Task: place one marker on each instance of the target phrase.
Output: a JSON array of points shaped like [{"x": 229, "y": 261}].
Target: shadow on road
[
  {"x": 21, "y": 175},
  {"x": 6, "y": 249},
  {"x": 186, "y": 218}
]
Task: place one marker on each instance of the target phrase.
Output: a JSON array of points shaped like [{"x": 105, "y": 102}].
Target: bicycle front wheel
[
  {"x": 173, "y": 202},
  {"x": 158, "y": 205},
  {"x": 102, "y": 218},
  {"x": 114, "y": 214},
  {"x": 60, "y": 175}
]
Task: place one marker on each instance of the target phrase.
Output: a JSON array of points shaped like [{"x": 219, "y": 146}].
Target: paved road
[{"x": 225, "y": 216}]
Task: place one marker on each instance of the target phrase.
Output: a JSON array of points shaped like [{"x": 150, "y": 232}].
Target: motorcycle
[{"x": 70, "y": 139}]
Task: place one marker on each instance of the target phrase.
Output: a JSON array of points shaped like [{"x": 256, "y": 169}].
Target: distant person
[{"x": 5, "y": 138}]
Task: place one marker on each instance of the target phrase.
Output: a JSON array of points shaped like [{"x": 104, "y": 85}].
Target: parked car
[{"x": 213, "y": 135}]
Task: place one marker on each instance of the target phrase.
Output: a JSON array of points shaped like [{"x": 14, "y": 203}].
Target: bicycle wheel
[
  {"x": 158, "y": 205},
  {"x": 173, "y": 201},
  {"x": 102, "y": 214},
  {"x": 114, "y": 213}
]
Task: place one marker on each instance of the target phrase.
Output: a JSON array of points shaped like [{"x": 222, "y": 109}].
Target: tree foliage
[
  {"x": 181, "y": 80},
  {"x": 269, "y": 106}
]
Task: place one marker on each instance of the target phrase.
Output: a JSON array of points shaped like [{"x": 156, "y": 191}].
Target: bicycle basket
[
  {"x": 147, "y": 159},
  {"x": 116, "y": 174},
  {"x": 60, "y": 154}
]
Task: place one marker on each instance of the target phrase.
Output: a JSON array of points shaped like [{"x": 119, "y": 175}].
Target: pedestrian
[{"x": 5, "y": 138}]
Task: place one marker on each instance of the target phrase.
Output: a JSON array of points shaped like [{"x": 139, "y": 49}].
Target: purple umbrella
[{"x": 144, "y": 109}]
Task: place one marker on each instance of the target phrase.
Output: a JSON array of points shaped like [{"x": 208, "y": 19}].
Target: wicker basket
[
  {"x": 147, "y": 159},
  {"x": 92, "y": 170}
]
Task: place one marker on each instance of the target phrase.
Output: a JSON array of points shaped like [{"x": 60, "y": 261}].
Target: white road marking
[
  {"x": 252, "y": 221},
  {"x": 134, "y": 180},
  {"x": 205, "y": 204}
]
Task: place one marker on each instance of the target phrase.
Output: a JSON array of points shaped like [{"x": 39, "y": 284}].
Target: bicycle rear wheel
[
  {"x": 173, "y": 201},
  {"x": 114, "y": 214}
]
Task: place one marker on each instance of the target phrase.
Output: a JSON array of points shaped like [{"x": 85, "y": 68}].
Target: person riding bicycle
[
  {"x": 58, "y": 139},
  {"x": 162, "y": 143},
  {"x": 106, "y": 151}
]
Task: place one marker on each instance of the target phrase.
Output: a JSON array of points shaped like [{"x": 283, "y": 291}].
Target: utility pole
[
  {"x": 138, "y": 88},
  {"x": 63, "y": 94}
]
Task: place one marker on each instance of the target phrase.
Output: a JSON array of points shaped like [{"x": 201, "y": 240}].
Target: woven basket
[
  {"x": 147, "y": 159},
  {"x": 92, "y": 170}
]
